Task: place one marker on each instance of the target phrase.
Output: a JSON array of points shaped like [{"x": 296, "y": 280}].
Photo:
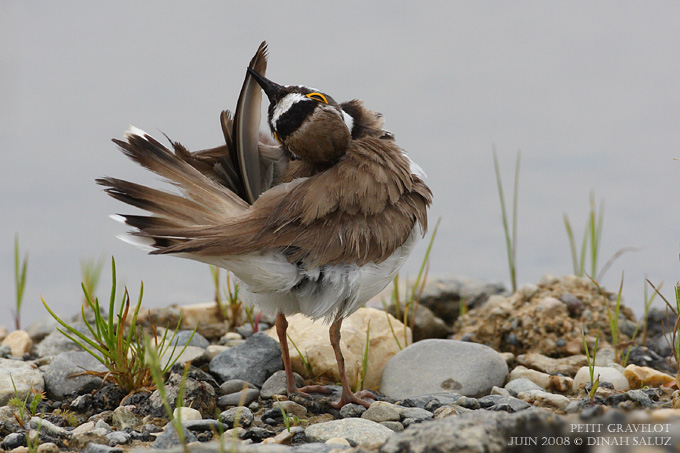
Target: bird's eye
[{"x": 318, "y": 97}]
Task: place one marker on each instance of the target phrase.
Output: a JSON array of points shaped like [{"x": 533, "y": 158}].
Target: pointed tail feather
[{"x": 204, "y": 203}]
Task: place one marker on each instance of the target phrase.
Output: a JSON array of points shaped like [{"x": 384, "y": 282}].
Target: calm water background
[{"x": 589, "y": 91}]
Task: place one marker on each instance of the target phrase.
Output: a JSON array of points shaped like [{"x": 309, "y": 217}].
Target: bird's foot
[
  {"x": 355, "y": 398},
  {"x": 306, "y": 390},
  {"x": 313, "y": 389}
]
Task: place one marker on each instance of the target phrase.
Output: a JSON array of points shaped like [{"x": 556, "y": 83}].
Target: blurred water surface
[{"x": 589, "y": 91}]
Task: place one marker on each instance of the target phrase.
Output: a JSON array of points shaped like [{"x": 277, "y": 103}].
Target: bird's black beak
[{"x": 271, "y": 89}]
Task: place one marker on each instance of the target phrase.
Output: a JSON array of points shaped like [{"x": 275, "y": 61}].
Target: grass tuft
[
  {"x": 594, "y": 382},
  {"x": 593, "y": 236},
  {"x": 91, "y": 271},
  {"x": 20, "y": 268},
  {"x": 647, "y": 304},
  {"x": 613, "y": 318},
  {"x": 364, "y": 363},
  {"x": 303, "y": 358},
  {"x": 672, "y": 334},
  {"x": 510, "y": 233},
  {"x": 125, "y": 355}
]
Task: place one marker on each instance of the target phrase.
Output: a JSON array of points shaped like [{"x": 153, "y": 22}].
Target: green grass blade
[
  {"x": 509, "y": 241},
  {"x": 572, "y": 243},
  {"x": 515, "y": 198},
  {"x": 425, "y": 259},
  {"x": 112, "y": 301},
  {"x": 73, "y": 331},
  {"x": 305, "y": 363},
  {"x": 364, "y": 364}
]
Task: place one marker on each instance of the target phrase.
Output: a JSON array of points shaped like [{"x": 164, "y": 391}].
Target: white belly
[{"x": 331, "y": 292}]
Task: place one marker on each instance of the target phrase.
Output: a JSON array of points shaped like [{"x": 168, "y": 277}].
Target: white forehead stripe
[
  {"x": 349, "y": 120},
  {"x": 285, "y": 104}
]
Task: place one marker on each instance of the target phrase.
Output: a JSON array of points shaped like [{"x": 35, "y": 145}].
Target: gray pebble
[
  {"x": 640, "y": 397},
  {"x": 357, "y": 431},
  {"x": 169, "y": 437},
  {"x": 234, "y": 399},
  {"x": 48, "y": 427},
  {"x": 276, "y": 384},
  {"x": 118, "y": 438},
  {"x": 253, "y": 361},
  {"x": 234, "y": 385},
  {"x": 100, "y": 448},
  {"x": 394, "y": 426},
  {"x": 521, "y": 385},
  {"x": 352, "y": 410},
  {"x": 502, "y": 403},
  {"x": 101, "y": 424},
  {"x": 416, "y": 413},
  {"x": 151, "y": 428},
  {"x": 246, "y": 330},
  {"x": 243, "y": 414},
  {"x": 5, "y": 351},
  {"x": 125, "y": 417},
  {"x": 205, "y": 425},
  {"x": 13, "y": 440},
  {"x": 183, "y": 336}
]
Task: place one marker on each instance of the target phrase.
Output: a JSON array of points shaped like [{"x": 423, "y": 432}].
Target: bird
[{"x": 315, "y": 215}]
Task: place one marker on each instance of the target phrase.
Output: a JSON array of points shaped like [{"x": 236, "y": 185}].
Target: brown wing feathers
[{"x": 326, "y": 218}]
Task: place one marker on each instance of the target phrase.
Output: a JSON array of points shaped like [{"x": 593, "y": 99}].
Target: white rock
[
  {"x": 606, "y": 374},
  {"x": 311, "y": 338},
  {"x": 641, "y": 375},
  {"x": 338, "y": 441},
  {"x": 19, "y": 343},
  {"x": 537, "y": 377},
  {"x": 544, "y": 399},
  {"x": 26, "y": 378},
  {"x": 186, "y": 414},
  {"x": 214, "y": 349}
]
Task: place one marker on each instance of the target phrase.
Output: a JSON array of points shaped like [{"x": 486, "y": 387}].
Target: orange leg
[
  {"x": 347, "y": 395},
  {"x": 281, "y": 327}
]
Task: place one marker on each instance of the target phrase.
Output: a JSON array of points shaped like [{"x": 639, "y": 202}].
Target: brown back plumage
[{"x": 357, "y": 211}]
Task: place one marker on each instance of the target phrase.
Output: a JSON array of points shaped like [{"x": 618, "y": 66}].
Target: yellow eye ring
[{"x": 317, "y": 97}]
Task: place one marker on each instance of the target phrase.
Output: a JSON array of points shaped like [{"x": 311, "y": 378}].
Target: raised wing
[{"x": 247, "y": 128}]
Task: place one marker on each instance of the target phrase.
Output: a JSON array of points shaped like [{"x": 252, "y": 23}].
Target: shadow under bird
[{"x": 316, "y": 220}]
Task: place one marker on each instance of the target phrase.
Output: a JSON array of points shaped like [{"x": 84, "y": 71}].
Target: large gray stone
[
  {"x": 253, "y": 361},
  {"x": 67, "y": 375},
  {"x": 435, "y": 366},
  {"x": 475, "y": 431},
  {"x": 357, "y": 431},
  {"x": 169, "y": 437},
  {"x": 26, "y": 378},
  {"x": 56, "y": 342}
]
